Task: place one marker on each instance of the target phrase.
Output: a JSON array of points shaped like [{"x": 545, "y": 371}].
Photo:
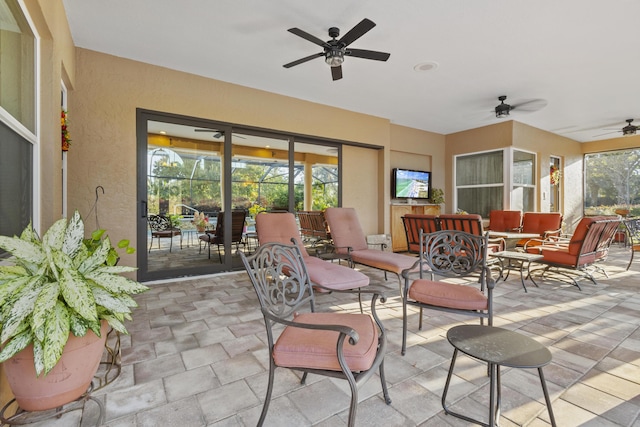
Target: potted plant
[
  {"x": 437, "y": 196},
  {"x": 57, "y": 300}
]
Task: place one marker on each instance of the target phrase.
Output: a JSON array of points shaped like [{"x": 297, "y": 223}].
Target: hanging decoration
[
  {"x": 554, "y": 175},
  {"x": 66, "y": 140}
]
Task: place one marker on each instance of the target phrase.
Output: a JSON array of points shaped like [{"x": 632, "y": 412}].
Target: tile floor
[{"x": 196, "y": 356}]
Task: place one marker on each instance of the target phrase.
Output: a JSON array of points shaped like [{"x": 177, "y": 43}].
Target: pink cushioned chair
[
  {"x": 281, "y": 227},
  {"x": 349, "y": 238},
  {"x": 450, "y": 254},
  {"x": 339, "y": 345}
]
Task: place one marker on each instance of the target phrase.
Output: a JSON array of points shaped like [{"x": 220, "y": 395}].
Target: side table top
[{"x": 500, "y": 346}]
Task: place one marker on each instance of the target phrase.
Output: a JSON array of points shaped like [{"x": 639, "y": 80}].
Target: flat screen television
[{"x": 410, "y": 184}]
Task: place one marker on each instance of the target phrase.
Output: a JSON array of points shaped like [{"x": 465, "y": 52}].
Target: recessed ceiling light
[{"x": 425, "y": 66}]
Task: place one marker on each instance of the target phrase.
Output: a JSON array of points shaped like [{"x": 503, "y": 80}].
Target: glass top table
[{"x": 521, "y": 259}]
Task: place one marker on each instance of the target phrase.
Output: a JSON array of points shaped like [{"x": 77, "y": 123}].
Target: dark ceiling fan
[
  {"x": 218, "y": 133},
  {"x": 335, "y": 50},
  {"x": 503, "y": 109},
  {"x": 627, "y": 130}
]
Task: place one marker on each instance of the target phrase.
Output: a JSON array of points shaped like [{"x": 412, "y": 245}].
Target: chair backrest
[
  {"x": 273, "y": 268},
  {"x": 413, "y": 223},
  {"x": 539, "y": 222},
  {"x": 237, "y": 226},
  {"x": 159, "y": 223},
  {"x": 593, "y": 235},
  {"x": 469, "y": 223},
  {"x": 278, "y": 227},
  {"x": 453, "y": 253},
  {"x": 313, "y": 225},
  {"x": 500, "y": 220},
  {"x": 346, "y": 230}
]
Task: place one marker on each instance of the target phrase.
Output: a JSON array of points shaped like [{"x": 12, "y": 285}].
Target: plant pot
[{"x": 67, "y": 381}]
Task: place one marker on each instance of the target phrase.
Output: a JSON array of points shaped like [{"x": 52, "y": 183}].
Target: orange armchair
[
  {"x": 500, "y": 220},
  {"x": 577, "y": 257},
  {"x": 545, "y": 224}
]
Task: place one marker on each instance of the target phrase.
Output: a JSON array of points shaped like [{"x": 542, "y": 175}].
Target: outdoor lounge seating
[
  {"x": 324, "y": 275},
  {"x": 633, "y": 236},
  {"x": 501, "y": 220},
  {"x": 217, "y": 236},
  {"x": 350, "y": 240},
  {"x": 545, "y": 224},
  {"x": 578, "y": 256},
  {"x": 450, "y": 254},
  {"x": 413, "y": 223},
  {"x": 313, "y": 227},
  {"x": 161, "y": 227},
  {"x": 340, "y": 345}
]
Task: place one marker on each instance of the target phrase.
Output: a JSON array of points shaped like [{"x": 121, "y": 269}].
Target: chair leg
[
  {"x": 385, "y": 391},
  {"x": 151, "y": 245},
  {"x": 631, "y": 259},
  {"x": 267, "y": 399},
  {"x": 353, "y": 407}
]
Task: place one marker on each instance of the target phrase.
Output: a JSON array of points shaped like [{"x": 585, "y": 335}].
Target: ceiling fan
[
  {"x": 502, "y": 110},
  {"x": 629, "y": 129},
  {"x": 335, "y": 50},
  {"x": 218, "y": 133}
]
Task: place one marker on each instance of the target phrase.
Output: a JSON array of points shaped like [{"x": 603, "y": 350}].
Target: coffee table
[
  {"x": 512, "y": 238},
  {"x": 516, "y": 261},
  {"x": 498, "y": 347}
]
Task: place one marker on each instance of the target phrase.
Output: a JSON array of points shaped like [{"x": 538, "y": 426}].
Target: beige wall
[{"x": 108, "y": 90}]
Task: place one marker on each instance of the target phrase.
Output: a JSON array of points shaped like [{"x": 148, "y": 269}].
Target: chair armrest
[
  {"x": 341, "y": 329},
  {"x": 501, "y": 241},
  {"x": 551, "y": 233}
]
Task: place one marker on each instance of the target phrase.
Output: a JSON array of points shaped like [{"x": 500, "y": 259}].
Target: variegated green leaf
[
  {"x": 116, "y": 284},
  {"x": 115, "y": 269},
  {"x": 54, "y": 237},
  {"x": 8, "y": 272},
  {"x": 38, "y": 357},
  {"x": 10, "y": 289},
  {"x": 20, "y": 309},
  {"x": 29, "y": 234},
  {"x": 78, "y": 325},
  {"x": 28, "y": 252},
  {"x": 115, "y": 324},
  {"x": 18, "y": 343},
  {"x": 61, "y": 260},
  {"x": 97, "y": 258},
  {"x": 73, "y": 235},
  {"x": 108, "y": 301},
  {"x": 44, "y": 304},
  {"x": 56, "y": 336},
  {"x": 77, "y": 294}
]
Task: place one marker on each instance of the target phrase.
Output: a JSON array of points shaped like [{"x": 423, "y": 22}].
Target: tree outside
[{"x": 612, "y": 182}]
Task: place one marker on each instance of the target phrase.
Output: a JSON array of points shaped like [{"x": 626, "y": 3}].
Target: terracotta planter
[{"x": 67, "y": 381}]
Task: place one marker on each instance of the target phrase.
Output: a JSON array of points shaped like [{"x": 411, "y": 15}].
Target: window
[
  {"x": 17, "y": 118},
  {"x": 480, "y": 182},
  {"x": 612, "y": 181},
  {"x": 523, "y": 191}
]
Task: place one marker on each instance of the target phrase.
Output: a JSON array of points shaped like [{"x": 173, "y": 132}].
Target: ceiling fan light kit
[
  {"x": 335, "y": 50},
  {"x": 502, "y": 110}
]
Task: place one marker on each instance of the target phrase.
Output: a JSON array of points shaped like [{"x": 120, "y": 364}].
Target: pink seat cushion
[
  {"x": 309, "y": 348},
  {"x": 383, "y": 260},
  {"x": 334, "y": 276},
  {"x": 442, "y": 294}
]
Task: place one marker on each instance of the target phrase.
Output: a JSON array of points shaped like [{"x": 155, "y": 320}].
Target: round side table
[{"x": 498, "y": 347}]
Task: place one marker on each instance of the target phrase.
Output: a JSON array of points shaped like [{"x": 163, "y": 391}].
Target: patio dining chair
[
  {"x": 349, "y": 346},
  {"x": 162, "y": 228},
  {"x": 632, "y": 226},
  {"x": 216, "y": 237},
  {"x": 450, "y": 254}
]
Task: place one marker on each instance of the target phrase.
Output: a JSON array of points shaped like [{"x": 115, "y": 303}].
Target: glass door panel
[
  {"x": 523, "y": 191},
  {"x": 317, "y": 174}
]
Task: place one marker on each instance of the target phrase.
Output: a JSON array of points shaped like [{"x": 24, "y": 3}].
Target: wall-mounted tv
[{"x": 410, "y": 184}]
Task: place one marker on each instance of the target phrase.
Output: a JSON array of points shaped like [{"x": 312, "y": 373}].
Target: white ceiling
[{"x": 580, "y": 56}]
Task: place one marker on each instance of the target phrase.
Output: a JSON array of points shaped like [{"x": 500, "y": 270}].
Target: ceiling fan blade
[
  {"x": 336, "y": 72},
  {"x": 313, "y": 39},
  {"x": 368, "y": 54},
  {"x": 530, "y": 105},
  {"x": 302, "y": 60},
  {"x": 356, "y": 32},
  {"x": 607, "y": 133}
]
